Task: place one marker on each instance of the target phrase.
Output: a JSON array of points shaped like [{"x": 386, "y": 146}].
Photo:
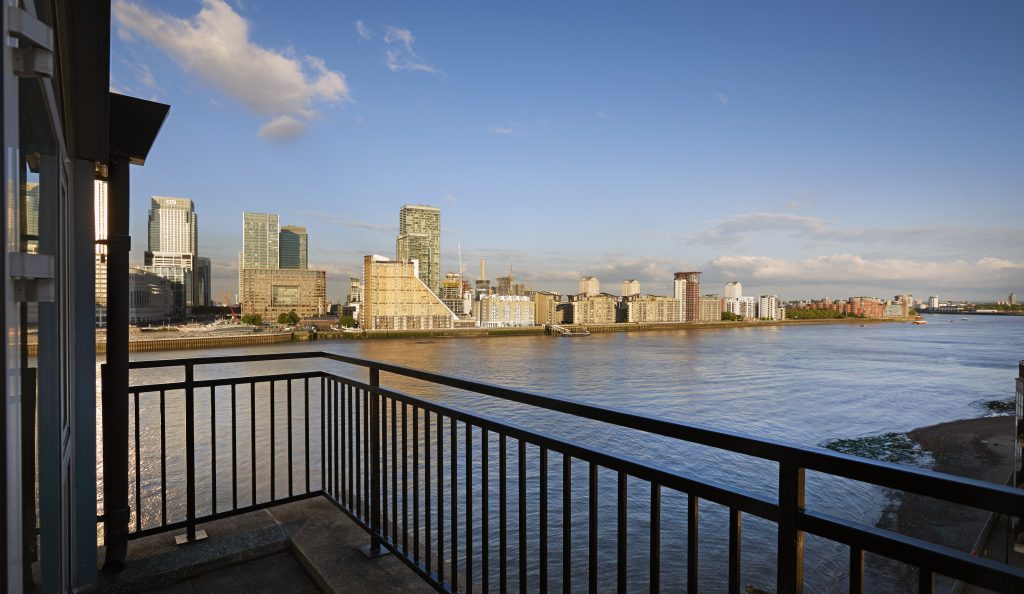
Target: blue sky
[{"x": 806, "y": 149}]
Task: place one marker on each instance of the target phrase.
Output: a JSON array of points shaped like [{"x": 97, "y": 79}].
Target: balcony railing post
[
  {"x": 375, "y": 548},
  {"x": 190, "y": 461},
  {"x": 791, "y": 539}
]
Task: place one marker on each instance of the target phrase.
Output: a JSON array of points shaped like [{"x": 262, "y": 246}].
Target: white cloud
[
  {"x": 722, "y": 99},
  {"x": 504, "y": 130},
  {"x": 738, "y": 227},
  {"x": 282, "y": 129},
  {"x": 363, "y": 31},
  {"x": 400, "y": 54},
  {"x": 854, "y": 269},
  {"x": 215, "y": 46}
]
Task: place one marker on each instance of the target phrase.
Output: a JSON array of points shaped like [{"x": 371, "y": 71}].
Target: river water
[{"x": 801, "y": 384}]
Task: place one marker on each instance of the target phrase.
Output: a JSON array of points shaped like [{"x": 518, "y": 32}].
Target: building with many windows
[
  {"x": 742, "y": 306},
  {"x": 173, "y": 251},
  {"x": 710, "y": 308},
  {"x": 770, "y": 308},
  {"x": 733, "y": 290},
  {"x": 151, "y": 298},
  {"x": 292, "y": 246},
  {"x": 505, "y": 311},
  {"x": 396, "y": 298},
  {"x": 650, "y": 309},
  {"x": 271, "y": 292},
  {"x": 589, "y": 285},
  {"x": 686, "y": 288},
  {"x": 261, "y": 244},
  {"x": 630, "y": 287},
  {"x": 419, "y": 238},
  {"x": 594, "y": 309},
  {"x": 545, "y": 308}
]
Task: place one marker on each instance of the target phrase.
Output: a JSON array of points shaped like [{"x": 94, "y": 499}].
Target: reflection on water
[{"x": 804, "y": 385}]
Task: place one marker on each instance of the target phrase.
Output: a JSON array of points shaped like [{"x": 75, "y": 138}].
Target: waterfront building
[
  {"x": 151, "y": 298},
  {"x": 733, "y": 290},
  {"x": 686, "y": 288},
  {"x": 710, "y": 308},
  {"x": 769, "y": 308},
  {"x": 644, "y": 309},
  {"x": 419, "y": 238},
  {"x": 452, "y": 294},
  {"x": 293, "y": 247},
  {"x": 630, "y": 287},
  {"x": 261, "y": 244},
  {"x": 742, "y": 306},
  {"x": 933, "y": 302},
  {"x": 355, "y": 290},
  {"x": 589, "y": 285},
  {"x": 270, "y": 292},
  {"x": 505, "y": 311},
  {"x": 173, "y": 251},
  {"x": 1013, "y": 299},
  {"x": 546, "y": 308},
  {"x": 594, "y": 309},
  {"x": 396, "y": 298}
]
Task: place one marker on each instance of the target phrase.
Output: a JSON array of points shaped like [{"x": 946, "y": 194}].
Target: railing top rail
[{"x": 955, "y": 489}]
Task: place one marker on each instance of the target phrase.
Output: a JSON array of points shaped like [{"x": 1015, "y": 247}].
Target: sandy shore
[{"x": 976, "y": 448}]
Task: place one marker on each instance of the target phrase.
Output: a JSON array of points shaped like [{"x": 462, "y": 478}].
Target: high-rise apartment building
[
  {"x": 396, "y": 298},
  {"x": 933, "y": 302},
  {"x": 419, "y": 238},
  {"x": 742, "y": 306},
  {"x": 293, "y": 247},
  {"x": 768, "y": 308},
  {"x": 733, "y": 290},
  {"x": 355, "y": 290},
  {"x": 452, "y": 294},
  {"x": 710, "y": 309},
  {"x": 1013, "y": 299},
  {"x": 686, "y": 288},
  {"x": 261, "y": 243},
  {"x": 630, "y": 287},
  {"x": 589, "y": 285}
]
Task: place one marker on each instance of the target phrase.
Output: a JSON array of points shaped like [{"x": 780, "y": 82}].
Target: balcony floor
[{"x": 304, "y": 546}]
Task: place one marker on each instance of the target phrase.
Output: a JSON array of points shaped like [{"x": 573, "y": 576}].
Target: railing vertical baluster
[
  {"x": 374, "y": 549},
  {"x": 273, "y": 444},
  {"x": 522, "y": 517},
  {"x": 469, "y": 508},
  {"x": 366, "y": 451},
  {"x": 405, "y": 478},
  {"x": 735, "y": 546},
  {"x": 566, "y": 523},
  {"x": 331, "y": 464},
  {"x": 291, "y": 458},
  {"x": 163, "y": 459},
  {"x": 502, "y": 513},
  {"x": 394, "y": 472},
  {"x": 339, "y": 454},
  {"x": 305, "y": 417},
  {"x": 234, "y": 448},
  {"x": 856, "y": 570},
  {"x": 138, "y": 465},
  {"x": 791, "y": 539},
  {"x": 190, "y": 454},
  {"x": 428, "y": 537},
  {"x": 383, "y": 422},
  {"x": 926, "y": 581},
  {"x": 440, "y": 498},
  {"x": 252, "y": 437},
  {"x": 416, "y": 484},
  {"x": 692, "y": 544},
  {"x": 622, "y": 500},
  {"x": 542, "y": 533},
  {"x": 485, "y": 512},
  {"x": 353, "y": 473},
  {"x": 454, "y": 507},
  {"x": 592, "y": 536},
  {"x": 655, "y": 554},
  {"x": 323, "y": 436},
  {"x": 213, "y": 448}
]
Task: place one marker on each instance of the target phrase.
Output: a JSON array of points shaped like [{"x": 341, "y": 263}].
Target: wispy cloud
[
  {"x": 283, "y": 128},
  {"x": 349, "y": 223},
  {"x": 400, "y": 54},
  {"x": 737, "y": 227},
  {"x": 215, "y": 45},
  {"x": 504, "y": 130},
  {"x": 363, "y": 31},
  {"x": 722, "y": 99},
  {"x": 450, "y": 199}
]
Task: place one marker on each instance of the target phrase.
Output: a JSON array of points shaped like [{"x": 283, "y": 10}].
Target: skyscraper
[
  {"x": 419, "y": 238},
  {"x": 687, "y": 291},
  {"x": 733, "y": 290},
  {"x": 630, "y": 287},
  {"x": 589, "y": 285},
  {"x": 173, "y": 248},
  {"x": 260, "y": 243},
  {"x": 293, "y": 247}
]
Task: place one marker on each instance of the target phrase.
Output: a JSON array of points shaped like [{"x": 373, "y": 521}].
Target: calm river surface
[{"x": 801, "y": 384}]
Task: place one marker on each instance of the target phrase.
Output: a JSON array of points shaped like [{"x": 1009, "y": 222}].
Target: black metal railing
[{"x": 466, "y": 499}]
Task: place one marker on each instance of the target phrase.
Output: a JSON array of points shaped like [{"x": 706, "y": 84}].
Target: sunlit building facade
[{"x": 396, "y": 298}]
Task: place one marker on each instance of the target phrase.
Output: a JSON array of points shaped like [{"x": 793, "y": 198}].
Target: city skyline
[{"x": 883, "y": 162}]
